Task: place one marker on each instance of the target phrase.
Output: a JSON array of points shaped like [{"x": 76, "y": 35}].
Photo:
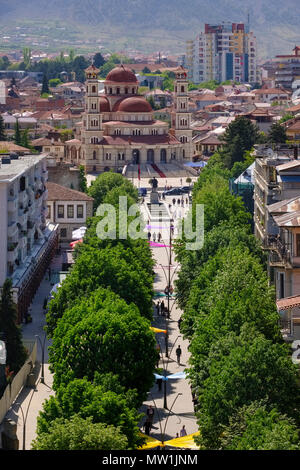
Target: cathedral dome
[
  {"x": 104, "y": 105},
  {"x": 121, "y": 74},
  {"x": 134, "y": 105}
]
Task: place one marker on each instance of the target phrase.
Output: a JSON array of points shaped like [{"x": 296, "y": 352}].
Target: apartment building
[
  {"x": 287, "y": 68},
  {"x": 27, "y": 241},
  {"x": 226, "y": 51},
  {"x": 277, "y": 222}
]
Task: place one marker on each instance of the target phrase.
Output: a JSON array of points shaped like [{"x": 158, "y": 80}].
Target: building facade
[
  {"x": 119, "y": 128},
  {"x": 68, "y": 208},
  {"x": 27, "y": 241},
  {"x": 226, "y": 51}
]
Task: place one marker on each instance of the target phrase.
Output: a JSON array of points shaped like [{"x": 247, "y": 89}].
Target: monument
[{"x": 154, "y": 198}]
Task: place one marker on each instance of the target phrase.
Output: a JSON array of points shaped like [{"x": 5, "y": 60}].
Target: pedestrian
[
  {"x": 149, "y": 236},
  {"x": 183, "y": 431},
  {"x": 154, "y": 237},
  {"x": 178, "y": 201},
  {"x": 157, "y": 308},
  {"x": 178, "y": 354},
  {"x": 179, "y": 323},
  {"x": 159, "y": 236},
  {"x": 150, "y": 415},
  {"x": 162, "y": 307},
  {"x": 187, "y": 201},
  {"x": 174, "y": 200},
  {"x": 177, "y": 435}
]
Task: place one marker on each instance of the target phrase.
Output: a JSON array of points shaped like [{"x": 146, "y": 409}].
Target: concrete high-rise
[{"x": 223, "y": 52}]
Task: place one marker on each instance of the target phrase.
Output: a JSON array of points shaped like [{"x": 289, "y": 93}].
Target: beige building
[
  {"x": 119, "y": 128},
  {"x": 68, "y": 208}
]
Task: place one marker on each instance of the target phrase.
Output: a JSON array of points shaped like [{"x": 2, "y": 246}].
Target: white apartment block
[
  {"x": 223, "y": 52},
  {"x": 27, "y": 242}
]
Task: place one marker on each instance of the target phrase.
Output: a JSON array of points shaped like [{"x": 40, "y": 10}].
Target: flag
[{"x": 139, "y": 172}]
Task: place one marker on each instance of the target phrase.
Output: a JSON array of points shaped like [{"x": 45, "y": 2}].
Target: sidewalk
[
  {"x": 182, "y": 412},
  {"x": 30, "y": 399}
]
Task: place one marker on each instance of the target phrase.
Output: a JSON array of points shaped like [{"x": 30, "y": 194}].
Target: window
[
  {"x": 63, "y": 233},
  {"x": 80, "y": 212},
  {"x": 108, "y": 156},
  {"x": 49, "y": 211},
  {"x": 93, "y": 89},
  {"x": 281, "y": 285},
  {"x": 70, "y": 211},
  {"x": 94, "y": 155},
  {"x": 121, "y": 156},
  {"x": 298, "y": 244},
  {"x": 60, "y": 212}
]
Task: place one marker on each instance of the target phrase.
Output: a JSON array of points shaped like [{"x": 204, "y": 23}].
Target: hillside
[{"x": 156, "y": 23}]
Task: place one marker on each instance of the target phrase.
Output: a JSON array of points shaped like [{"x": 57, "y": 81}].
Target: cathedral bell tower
[
  {"x": 92, "y": 130},
  {"x": 182, "y": 116}
]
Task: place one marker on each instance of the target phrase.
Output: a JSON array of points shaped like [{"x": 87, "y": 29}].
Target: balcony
[
  {"x": 22, "y": 218},
  {"x": 12, "y": 252},
  {"x": 12, "y": 204},
  {"x": 12, "y": 229},
  {"x": 280, "y": 252},
  {"x": 23, "y": 198}
]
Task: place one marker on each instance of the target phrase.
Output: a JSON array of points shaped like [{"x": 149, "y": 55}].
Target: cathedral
[{"x": 118, "y": 128}]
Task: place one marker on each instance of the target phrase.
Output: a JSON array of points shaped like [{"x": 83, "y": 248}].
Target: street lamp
[
  {"x": 43, "y": 355},
  {"x": 164, "y": 433}
]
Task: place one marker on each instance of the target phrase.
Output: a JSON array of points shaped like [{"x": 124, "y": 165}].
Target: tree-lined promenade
[{"x": 103, "y": 353}]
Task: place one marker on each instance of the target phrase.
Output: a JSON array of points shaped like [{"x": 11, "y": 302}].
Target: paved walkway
[
  {"x": 32, "y": 400},
  {"x": 165, "y": 424}
]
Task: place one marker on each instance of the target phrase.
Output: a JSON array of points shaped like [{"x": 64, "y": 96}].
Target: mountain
[{"x": 159, "y": 23}]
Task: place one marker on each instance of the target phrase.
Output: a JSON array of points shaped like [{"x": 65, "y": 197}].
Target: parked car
[
  {"x": 186, "y": 189},
  {"x": 142, "y": 192},
  {"x": 173, "y": 192}
]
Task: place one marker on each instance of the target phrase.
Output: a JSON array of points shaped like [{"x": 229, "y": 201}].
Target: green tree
[
  {"x": 98, "y": 60},
  {"x": 114, "y": 339},
  {"x": 255, "y": 427},
  {"x": 45, "y": 86},
  {"x": 151, "y": 102},
  {"x": 25, "y": 139},
  {"x": 112, "y": 267},
  {"x": 2, "y": 129},
  {"x": 146, "y": 70},
  {"x": 277, "y": 134},
  {"x": 16, "y": 354},
  {"x": 80, "y": 434},
  {"x": 17, "y": 134},
  {"x": 107, "y": 181},
  {"x": 239, "y": 137},
  {"x": 54, "y": 82},
  {"x": 27, "y": 57},
  {"x": 82, "y": 180},
  {"x": 104, "y": 400},
  {"x": 242, "y": 369}
]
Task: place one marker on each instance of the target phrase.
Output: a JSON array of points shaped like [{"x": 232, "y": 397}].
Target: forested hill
[{"x": 274, "y": 22}]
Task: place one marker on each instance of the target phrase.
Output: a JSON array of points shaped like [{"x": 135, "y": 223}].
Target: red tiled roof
[
  {"x": 121, "y": 74},
  {"x": 288, "y": 302},
  {"x": 56, "y": 192}
]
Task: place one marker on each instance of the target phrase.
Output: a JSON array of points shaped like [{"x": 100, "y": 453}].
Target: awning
[
  {"x": 79, "y": 233},
  {"x": 185, "y": 442},
  {"x": 178, "y": 375},
  {"x": 157, "y": 330}
]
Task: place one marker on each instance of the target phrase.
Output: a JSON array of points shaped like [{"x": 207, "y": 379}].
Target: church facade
[{"x": 118, "y": 127}]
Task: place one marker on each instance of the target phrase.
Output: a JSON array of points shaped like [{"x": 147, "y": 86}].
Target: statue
[{"x": 154, "y": 199}]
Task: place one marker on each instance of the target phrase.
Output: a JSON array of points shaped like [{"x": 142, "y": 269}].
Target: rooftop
[
  {"x": 56, "y": 192},
  {"x": 8, "y": 172}
]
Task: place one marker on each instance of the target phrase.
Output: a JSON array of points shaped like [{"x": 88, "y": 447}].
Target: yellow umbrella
[
  {"x": 185, "y": 442},
  {"x": 157, "y": 330}
]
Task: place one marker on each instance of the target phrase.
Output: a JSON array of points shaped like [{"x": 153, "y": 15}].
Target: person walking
[
  {"x": 178, "y": 201},
  {"x": 159, "y": 236},
  {"x": 179, "y": 323},
  {"x": 157, "y": 308},
  {"x": 174, "y": 201},
  {"x": 150, "y": 415},
  {"x": 159, "y": 383},
  {"x": 149, "y": 236},
  {"x": 178, "y": 354},
  {"x": 183, "y": 431},
  {"x": 154, "y": 237},
  {"x": 162, "y": 307},
  {"x": 147, "y": 427}
]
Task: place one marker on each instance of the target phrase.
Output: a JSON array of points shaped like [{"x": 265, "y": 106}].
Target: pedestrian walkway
[
  {"x": 29, "y": 401},
  {"x": 178, "y": 393}
]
